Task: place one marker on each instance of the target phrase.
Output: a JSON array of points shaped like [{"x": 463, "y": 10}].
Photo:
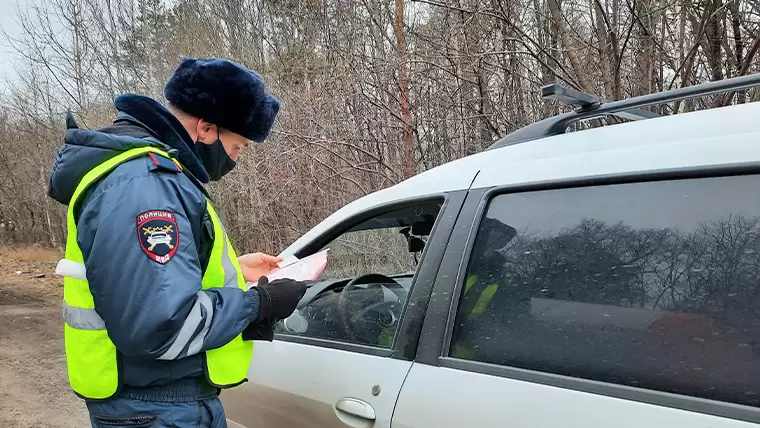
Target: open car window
[
  {"x": 382, "y": 251},
  {"x": 360, "y": 296}
]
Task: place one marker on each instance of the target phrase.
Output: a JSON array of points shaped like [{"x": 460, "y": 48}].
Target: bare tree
[{"x": 372, "y": 91}]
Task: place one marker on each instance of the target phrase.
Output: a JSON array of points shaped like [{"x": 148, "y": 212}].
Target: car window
[
  {"x": 653, "y": 285},
  {"x": 360, "y": 296},
  {"x": 384, "y": 251}
]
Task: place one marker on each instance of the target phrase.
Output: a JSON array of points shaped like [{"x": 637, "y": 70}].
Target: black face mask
[{"x": 215, "y": 159}]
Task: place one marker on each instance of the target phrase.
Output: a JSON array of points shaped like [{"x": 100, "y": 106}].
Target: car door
[
  {"x": 347, "y": 365},
  {"x": 624, "y": 304}
]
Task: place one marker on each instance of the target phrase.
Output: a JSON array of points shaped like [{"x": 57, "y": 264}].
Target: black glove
[
  {"x": 279, "y": 298},
  {"x": 263, "y": 330}
]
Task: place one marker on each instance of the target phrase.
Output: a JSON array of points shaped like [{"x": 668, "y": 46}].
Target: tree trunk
[
  {"x": 571, "y": 50},
  {"x": 403, "y": 85}
]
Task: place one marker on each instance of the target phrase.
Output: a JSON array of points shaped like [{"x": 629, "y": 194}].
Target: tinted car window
[
  {"x": 653, "y": 285},
  {"x": 365, "y": 285}
]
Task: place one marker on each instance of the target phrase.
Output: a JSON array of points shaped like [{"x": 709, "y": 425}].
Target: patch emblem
[{"x": 158, "y": 235}]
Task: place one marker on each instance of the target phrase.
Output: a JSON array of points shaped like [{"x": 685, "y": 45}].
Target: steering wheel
[{"x": 380, "y": 313}]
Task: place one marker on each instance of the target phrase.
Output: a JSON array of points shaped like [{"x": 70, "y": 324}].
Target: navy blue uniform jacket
[{"x": 155, "y": 312}]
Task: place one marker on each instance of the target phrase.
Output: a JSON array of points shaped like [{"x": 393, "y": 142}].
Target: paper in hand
[{"x": 306, "y": 269}]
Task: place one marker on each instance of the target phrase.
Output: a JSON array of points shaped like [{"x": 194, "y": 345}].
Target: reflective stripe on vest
[
  {"x": 226, "y": 366},
  {"x": 483, "y": 300},
  {"x": 91, "y": 357}
]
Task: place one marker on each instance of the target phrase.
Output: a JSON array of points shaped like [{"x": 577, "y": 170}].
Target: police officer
[{"x": 164, "y": 319}]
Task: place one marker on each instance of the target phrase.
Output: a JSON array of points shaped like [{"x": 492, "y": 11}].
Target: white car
[{"x": 608, "y": 277}]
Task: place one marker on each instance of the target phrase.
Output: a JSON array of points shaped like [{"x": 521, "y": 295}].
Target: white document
[{"x": 306, "y": 269}]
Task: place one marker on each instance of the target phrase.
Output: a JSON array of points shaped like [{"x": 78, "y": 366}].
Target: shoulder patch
[
  {"x": 158, "y": 235},
  {"x": 163, "y": 163}
]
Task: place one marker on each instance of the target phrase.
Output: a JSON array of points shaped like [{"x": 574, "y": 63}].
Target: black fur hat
[{"x": 224, "y": 93}]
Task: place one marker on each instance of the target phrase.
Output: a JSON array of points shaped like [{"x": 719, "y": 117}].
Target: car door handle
[{"x": 354, "y": 407}]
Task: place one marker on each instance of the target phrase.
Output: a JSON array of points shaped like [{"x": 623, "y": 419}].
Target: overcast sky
[{"x": 8, "y": 23}]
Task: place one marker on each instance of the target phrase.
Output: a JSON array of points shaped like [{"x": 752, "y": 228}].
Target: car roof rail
[
  {"x": 588, "y": 102},
  {"x": 590, "y": 106}
]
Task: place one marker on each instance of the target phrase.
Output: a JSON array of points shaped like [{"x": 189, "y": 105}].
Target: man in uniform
[
  {"x": 164, "y": 319},
  {"x": 485, "y": 277}
]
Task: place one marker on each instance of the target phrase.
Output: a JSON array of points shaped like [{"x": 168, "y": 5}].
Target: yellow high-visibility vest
[
  {"x": 460, "y": 350},
  {"x": 91, "y": 356},
  {"x": 483, "y": 300}
]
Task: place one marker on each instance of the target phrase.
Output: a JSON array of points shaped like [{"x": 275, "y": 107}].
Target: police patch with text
[{"x": 158, "y": 234}]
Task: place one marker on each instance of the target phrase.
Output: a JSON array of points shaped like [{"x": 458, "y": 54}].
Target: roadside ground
[{"x": 34, "y": 390}]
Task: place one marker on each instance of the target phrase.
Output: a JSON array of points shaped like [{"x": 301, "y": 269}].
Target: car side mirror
[
  {"x": 423, "y": 227},
  {"x": 416, "y": 244}
]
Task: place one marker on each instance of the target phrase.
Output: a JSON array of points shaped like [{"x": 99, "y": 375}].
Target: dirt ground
[{"x": 34, "y": 391}]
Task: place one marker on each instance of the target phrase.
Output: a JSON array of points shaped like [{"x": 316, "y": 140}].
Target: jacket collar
[{"x": 164, "y": 126}]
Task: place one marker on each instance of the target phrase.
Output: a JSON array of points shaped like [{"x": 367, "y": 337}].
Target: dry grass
[
  {"x": 23, "y": 265},
  {"x": 31, "y": 254}
]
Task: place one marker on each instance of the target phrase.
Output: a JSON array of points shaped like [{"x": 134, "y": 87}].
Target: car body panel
[
  {"x": 443, "y": 397},
  {"x": 433, "y": 371},
  {"x": 298, "y": 385},
  {"x": 691, "y": 154}
]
